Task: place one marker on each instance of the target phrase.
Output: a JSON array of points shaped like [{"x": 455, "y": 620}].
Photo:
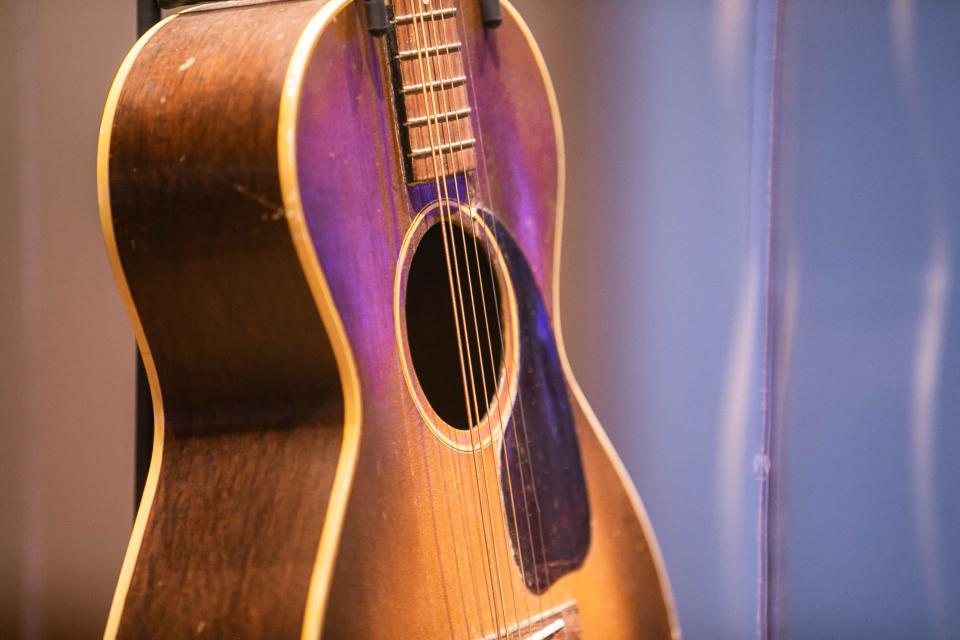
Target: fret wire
[
  {"x": 443, "y": 83},
  {"x": 435, "y": 14},
  {"x": 451, "y": 115},
  {"x": 448, "y": 81},
  {"x": 443, "y": 148},
  {"x": 439, "y": 49}
]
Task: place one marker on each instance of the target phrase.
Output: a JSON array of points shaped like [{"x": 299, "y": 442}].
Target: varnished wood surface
[
  {"x": 404, "y": 551},
  {"x": 252, "y": 405},
  {"x": 224, "y": 223}
]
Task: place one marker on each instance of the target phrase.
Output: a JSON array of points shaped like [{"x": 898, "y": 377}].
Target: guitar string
[
  {"x": 479, "y": 355},
  {"x": 519, "y": 400},
  {"x": 487, "y": 576},
  {"x": 437, "y": 45},
  {"x": 524, "y": 431},
  {"x": 456, "y": 293},
  {"x": 442, "y": 456},
  {"x": 442, "y": 448},
  {"x": 457, "y": 476},
  {"x": 461, "y": 156},
  {"x": 478, "y": 135},
  {"x": 473, "y": 419}
]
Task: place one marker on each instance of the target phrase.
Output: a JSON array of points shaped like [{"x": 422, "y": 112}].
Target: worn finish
[
  {"x": 418, "y": 568},
  {"x": 259, "y": 209},
  {"x": 252, "y": 407}
]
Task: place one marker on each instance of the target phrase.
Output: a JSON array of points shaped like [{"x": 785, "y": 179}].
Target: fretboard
[{"x": 432, "y": 89}]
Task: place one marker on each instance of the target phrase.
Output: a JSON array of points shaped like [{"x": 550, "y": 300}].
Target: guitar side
[{"x": 256, "y": 420}]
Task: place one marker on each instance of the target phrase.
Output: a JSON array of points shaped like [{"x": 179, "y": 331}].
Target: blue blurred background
[
  {"x": 760, "y": 298},
  {"x": 759, "y": 294}
]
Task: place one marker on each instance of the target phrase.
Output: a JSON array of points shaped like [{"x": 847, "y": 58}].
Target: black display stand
[{"x": 148, "y": 14}]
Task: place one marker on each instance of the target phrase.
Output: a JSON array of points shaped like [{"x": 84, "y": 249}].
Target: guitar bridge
[{"x": 561, "y": 623}]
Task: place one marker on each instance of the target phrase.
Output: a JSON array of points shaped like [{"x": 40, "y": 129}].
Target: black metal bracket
[
  {"x": 148, "y": 14},
  {"x": 378, "y": 22},
  {"x": 492, "y": 13},
  {"x": 173, "y": 4}
]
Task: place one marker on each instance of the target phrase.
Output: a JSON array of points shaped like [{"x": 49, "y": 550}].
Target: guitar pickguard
[{"x": 547, "y": 509}]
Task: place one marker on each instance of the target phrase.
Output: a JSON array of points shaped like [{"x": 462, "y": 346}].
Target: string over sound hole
[{"x": 459, "y": 382}]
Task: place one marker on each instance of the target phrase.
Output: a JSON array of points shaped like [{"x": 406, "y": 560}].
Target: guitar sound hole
[{"x": 432, "y": 325}]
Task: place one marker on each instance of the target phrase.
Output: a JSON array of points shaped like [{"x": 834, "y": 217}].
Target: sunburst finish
[{"x": 255, "y": 204}]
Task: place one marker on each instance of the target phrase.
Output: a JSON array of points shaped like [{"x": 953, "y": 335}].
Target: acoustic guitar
[{"x": 335, "y": 225}]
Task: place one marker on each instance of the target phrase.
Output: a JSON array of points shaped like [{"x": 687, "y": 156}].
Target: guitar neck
[{"x": 430, "y": 84}]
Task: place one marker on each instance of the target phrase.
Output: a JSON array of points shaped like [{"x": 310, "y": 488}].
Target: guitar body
[{"x": 265, "y": 238}]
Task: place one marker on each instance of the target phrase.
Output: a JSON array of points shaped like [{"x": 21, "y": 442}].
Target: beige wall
[
  {"x": 66, "y": 352},
  {"x": 66, "y": 359}
]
